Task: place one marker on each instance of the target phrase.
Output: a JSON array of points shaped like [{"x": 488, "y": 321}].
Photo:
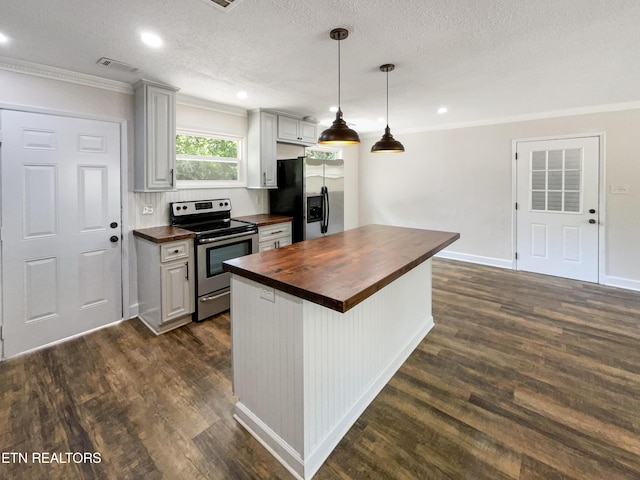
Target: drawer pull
[
  {"x": 277, "y": 232},
  {"x": 214, "y": 297}
]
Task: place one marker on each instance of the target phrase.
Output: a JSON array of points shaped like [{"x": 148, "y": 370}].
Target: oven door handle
[{"x": 226, "y": 237}]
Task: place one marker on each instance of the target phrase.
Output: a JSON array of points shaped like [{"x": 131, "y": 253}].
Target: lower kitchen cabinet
[
  {"x": 166, "y": 285},
  {"x": 274, "y": 236}
]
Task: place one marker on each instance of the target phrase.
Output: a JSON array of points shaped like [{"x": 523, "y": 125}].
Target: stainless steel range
[{"x": 218, "y": 238}]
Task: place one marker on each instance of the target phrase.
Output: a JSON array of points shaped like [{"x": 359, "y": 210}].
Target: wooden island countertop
[{"x": 343, "y": 269}]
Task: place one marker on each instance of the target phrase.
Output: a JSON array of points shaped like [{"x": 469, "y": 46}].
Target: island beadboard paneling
[{"x": 303, "y": 373}]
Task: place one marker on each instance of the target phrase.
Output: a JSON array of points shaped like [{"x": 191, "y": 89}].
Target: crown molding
[
  {"x": 54, "y": 73},
  {"x": 612, "y": 107},
  {"x": 190, "y": 101}
]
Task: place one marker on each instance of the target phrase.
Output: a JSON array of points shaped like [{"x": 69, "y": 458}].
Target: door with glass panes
[{"x": 557, "y": 217}]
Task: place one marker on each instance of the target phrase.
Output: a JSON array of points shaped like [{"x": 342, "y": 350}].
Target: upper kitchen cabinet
[
  {"x": 261, "y": 161},
  {"x": 293, "y": 130},
  {"x": 266, "y": 129},
  {"x": 155, "y": 137}
]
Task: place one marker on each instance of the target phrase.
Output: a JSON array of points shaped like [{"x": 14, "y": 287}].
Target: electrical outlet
[
  {"x": 147, "y": 210},
  {"x": 268, "y": 293}
]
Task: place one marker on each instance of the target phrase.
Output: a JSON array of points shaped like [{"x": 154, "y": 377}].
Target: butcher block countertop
[
  {"x": 343, "y": 269},
  {"x": 163, "y": 234},
  {"x": 263, "y": 219}
]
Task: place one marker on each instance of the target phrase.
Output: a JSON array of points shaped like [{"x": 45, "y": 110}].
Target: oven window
[{"x": 218, "y": 254}]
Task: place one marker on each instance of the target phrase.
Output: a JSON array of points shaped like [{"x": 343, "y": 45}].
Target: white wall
[
  {"x": 55, "y": 91},
  {"x": 461, "y": 180}
]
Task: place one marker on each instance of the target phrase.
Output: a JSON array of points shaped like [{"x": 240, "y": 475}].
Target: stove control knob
[
  {"x": 226, "y": 204},
  {"x": 221, "y": 204},
  {"x": 184, "y": 208}
]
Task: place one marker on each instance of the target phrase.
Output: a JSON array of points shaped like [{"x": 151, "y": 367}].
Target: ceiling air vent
[
  {"x": 224, "y": 5},
  {"x": 116, "y": 65}
]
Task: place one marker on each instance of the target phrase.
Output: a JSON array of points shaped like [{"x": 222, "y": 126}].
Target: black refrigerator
[{"x": 312, "y": 192}]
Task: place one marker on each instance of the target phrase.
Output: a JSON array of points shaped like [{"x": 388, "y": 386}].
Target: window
[
  {"x": 556, "y": 181},
  {"x": 323, "y": 153},
  {"x": 207, "y": 160}
]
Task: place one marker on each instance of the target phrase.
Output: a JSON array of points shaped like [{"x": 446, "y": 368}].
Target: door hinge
[
  {"x": 516, "y": 155},
  {"x": 516, "y": 205},
  {"x": 1, "y": 333},
  {"x": 516, "y": 255}
]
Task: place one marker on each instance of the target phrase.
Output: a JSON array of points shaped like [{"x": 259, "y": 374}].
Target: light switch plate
[
  {"x": 268, "y": 293},
  {"x": 619, "y": 188}
]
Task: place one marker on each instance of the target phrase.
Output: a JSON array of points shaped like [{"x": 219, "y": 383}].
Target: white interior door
[
  {"x": 557, "y": 216},
  {"x": 61, "y": 247}
]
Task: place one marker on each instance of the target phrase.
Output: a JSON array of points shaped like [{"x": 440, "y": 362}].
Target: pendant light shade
[
  {"x": 387, "y": 144},
  {"x": 339, "y": 133}
]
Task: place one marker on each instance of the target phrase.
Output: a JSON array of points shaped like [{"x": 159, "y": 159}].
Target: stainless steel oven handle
[
  {"x": 214, "y": 297},
  {"x": 226, "y": 237}
]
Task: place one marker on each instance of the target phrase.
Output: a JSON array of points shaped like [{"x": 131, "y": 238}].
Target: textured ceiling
[{"x": 483, "y": 59}]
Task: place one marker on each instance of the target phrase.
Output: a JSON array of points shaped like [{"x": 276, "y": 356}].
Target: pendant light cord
[
  {"x": 387, "y": 98},
  {"x": 339, "y": 41}
]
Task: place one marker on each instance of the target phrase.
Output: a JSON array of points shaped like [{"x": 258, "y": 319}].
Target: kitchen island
[{"x": 318, "y": 329}]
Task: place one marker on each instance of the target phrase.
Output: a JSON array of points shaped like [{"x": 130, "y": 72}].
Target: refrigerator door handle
[{"x": 325, "y": 210}]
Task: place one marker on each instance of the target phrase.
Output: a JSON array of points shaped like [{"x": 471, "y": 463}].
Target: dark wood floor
[{"x": 524, "y": 377}]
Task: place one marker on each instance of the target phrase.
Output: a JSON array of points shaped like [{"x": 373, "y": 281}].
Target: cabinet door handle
[
  {"x": 172, "y": 177},
  {"x": 264, "y": 179},
  {"x": 187, "y": 271}
]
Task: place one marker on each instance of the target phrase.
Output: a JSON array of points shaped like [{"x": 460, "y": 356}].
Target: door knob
[
  {"x": 592, "y": 221},
  {"x": 114, "y": 238},
  {"x": 592, "y": 211}
]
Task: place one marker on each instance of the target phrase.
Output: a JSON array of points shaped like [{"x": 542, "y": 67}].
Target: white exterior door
[
  {"x": 61, "y": 246},
  {"x": 557, "y": 216}
]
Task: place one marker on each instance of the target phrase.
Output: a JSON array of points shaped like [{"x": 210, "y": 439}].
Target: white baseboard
[
  {"x": 465, "y": 257},
  {"x": 619, "y": 282},
  {"x": 611, "y": 281},
  {"x": 270, "y": 440},
  {"x": 63, "y": 340}
]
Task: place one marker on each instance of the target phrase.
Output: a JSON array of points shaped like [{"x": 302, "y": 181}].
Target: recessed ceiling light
[
  {"x": 4, "y": 38},
  {"x": 333, "y": 109},
  {"x": 242, "y": 95},
  {"x": 151, "y": 39},
  {"x": 442, "y": 110}
]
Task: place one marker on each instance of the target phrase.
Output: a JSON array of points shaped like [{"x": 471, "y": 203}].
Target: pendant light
[
  {"x": 339, "y": 133},
  {"x": 387, "y": 144}
]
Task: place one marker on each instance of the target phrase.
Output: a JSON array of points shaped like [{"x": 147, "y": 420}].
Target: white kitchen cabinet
[
  {"x": 274, "y": 236},
  {"x": 293, "y": 130},
  {"x": 155, "y": 137},
  {"x": 261, "y": 161},
  {"x": 166, "y": 285},
  {"x": 266, "y": 129}
]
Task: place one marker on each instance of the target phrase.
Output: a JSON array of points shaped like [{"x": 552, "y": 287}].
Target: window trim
[{"x": 241, "y": 162}]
